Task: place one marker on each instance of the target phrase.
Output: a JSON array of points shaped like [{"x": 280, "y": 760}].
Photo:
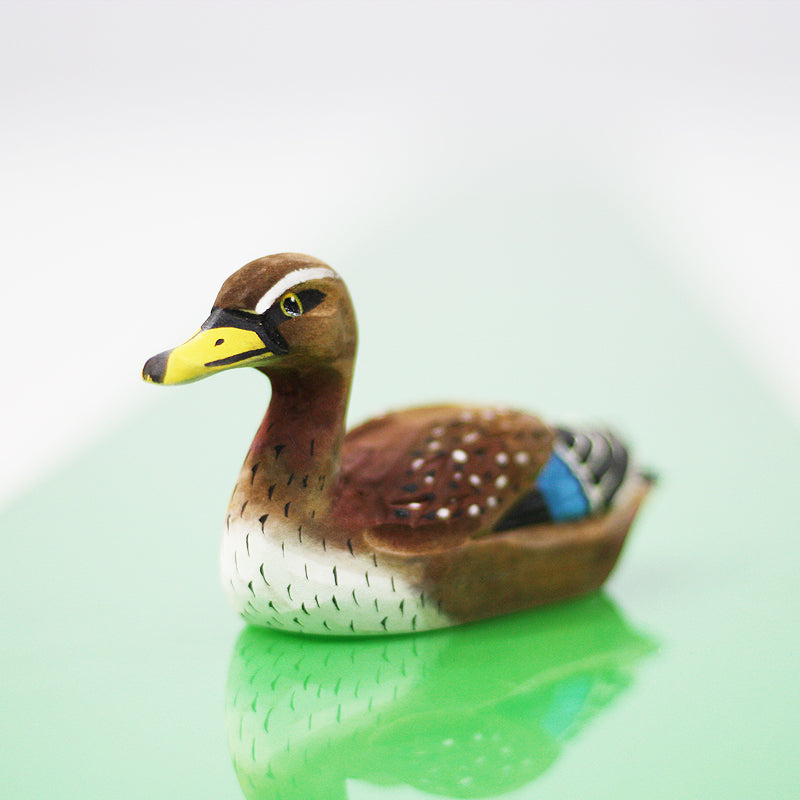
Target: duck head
[{"x": 280, "y": 312}]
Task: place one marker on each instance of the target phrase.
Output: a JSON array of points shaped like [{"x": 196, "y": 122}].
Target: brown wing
[{"x": 429, "y": 478}]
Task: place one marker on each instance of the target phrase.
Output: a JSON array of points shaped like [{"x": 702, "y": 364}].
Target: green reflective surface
[
  {"x": 475, "y": 712},
  {"x": 679, "y": 681}
]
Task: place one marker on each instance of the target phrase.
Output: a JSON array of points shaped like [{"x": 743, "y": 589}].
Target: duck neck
[{"x": 294, "y": 458}]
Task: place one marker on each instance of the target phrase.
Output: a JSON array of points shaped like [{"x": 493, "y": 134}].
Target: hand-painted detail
[
  {"x": 200, "y": 355},
  {"x": 562, "y": 491},
  {"x": 291, "y": 305},
  {"x": 583, "y": 476},
  {"x": 230, "y": 360},
  {"x": 245, "y": 335},
  {"x": 289, "y": 281},
  {"x": 265, "y": 326}
]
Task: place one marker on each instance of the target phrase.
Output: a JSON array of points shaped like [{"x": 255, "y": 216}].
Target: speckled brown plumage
[{"x": 426, "y": 478}]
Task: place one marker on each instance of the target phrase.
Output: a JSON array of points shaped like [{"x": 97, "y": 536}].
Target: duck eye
[{"x": 291, "y": 305}]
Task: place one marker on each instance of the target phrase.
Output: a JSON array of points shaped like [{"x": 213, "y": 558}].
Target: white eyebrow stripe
[{"x": 290, "y": 280}]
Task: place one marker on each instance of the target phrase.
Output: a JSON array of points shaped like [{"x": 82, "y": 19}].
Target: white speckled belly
[{"x": 273, "y": 579}]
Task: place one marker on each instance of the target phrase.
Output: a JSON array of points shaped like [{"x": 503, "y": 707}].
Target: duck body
[{"x": 417, "y": 519}]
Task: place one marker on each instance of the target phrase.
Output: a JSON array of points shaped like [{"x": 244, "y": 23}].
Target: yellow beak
[{"x": 208, "y": 351}]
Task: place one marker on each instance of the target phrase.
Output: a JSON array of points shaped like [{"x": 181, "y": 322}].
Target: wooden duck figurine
[{"x": 418, "y": 519}]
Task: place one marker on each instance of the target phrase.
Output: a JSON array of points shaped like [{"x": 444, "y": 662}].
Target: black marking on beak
[
  {"x": 155, "y": 368},
  {"x": 223, "y": 362},
  {"x": 261, "y": 324}
]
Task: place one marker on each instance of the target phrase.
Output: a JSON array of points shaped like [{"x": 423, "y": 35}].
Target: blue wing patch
[
  {"x": 561, "y": 490},
  {"x": 581, "y": 477}
]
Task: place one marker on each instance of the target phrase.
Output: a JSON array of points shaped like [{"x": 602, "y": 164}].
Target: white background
[{"x": 149, "y": 149}]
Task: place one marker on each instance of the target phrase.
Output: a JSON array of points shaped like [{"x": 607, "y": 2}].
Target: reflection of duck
[
  {"x": 472, "y": 713},
  {"x": 418, "y": 519}
]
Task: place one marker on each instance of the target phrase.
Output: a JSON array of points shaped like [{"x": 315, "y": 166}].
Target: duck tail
[{"x": 649, "y": 476}]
